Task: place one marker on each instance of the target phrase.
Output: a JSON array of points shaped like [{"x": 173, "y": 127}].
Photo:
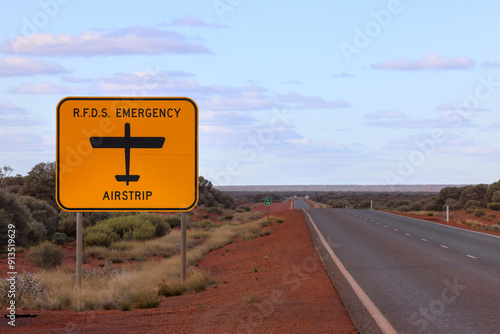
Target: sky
[{"x": 289, "y": 93}]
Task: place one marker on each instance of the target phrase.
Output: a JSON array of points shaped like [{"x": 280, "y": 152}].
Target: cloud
[
  {"x": 44, "y": 88},
  {"x": 209, "y": 97},
  {"x": 400, "y": 121},
  {"x": 8, "y": 108},
  {"x": 15, "y": 140},
  {"x": 491, "y": 64},
  {"x": 383, "y": 114},
  {"x": 342, "y": 75},
  {"x": 195, "y": 21},
  {"x": 127, "y": 41},
  {"x": 428, "y": 62},
  {"x": 456, "y": 106},
  {"x": 18, "y": 66},
  {"x": 292, "y": 82}
]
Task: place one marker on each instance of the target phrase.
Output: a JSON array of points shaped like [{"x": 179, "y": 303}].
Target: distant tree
[
  {"x": 211, "y": 197},
  {"x": 41, "y": 183},
  {"x": 42, "y": 212},
  {"x": 473, "y": 193},
  {"x": 494, "y": 187},
  {"x": 13, "y": 212}
]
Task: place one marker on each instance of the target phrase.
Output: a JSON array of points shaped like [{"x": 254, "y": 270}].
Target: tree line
[{"x": 28, "y": 202}]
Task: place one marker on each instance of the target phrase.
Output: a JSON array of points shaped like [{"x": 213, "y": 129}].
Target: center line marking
[
  {"x": 472, "y": 257},
  {"x": 423, "y": 239},
  {"x": 408, "y": 234},
  {"x": 396, "y": 229},
  {"x": 444, "y": 246}
]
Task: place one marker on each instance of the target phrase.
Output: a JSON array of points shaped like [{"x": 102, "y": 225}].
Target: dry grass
[
  {"x": 252, "y": 297},
  {"x": 145, "y": 286}
]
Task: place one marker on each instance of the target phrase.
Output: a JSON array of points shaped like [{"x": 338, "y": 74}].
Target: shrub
[
  {"x": 472, "y": 204},
  {"x": 494, "y": 206},
  {"x": 124, "y": 226},
  {"x": 174, "y": 220},
  {"x": 99, "y": 235},
  {"x": 160, "y": 223},
  {"x": 13, "y": 212},
  {"x": 479, "y": 213},
  {"x": 60, "y": 238},
  {"x": 105, "y": 272},
  {"x": 28, "y": 288},
  {"x": 36, "y": 232},
  {"x": 46, "y": 255},
  {"x": 495, "y": 227},
  {"x": 42, "y": 212}
]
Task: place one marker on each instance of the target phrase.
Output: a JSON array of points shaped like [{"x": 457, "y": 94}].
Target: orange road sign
[{"x": 127, "y": 154}]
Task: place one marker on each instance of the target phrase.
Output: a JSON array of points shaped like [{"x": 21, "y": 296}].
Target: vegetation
[{"x": 46, "y": 255}]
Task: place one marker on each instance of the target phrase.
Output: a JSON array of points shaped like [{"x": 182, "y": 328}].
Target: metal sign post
[
  {"x": 79, "y": 249},
  {"x": 183, "y": 246}
]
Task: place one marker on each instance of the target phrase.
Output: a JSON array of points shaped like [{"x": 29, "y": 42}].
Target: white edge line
[
  {"x": 382, "y": 322},
  {"x": 426, "y": 221}
]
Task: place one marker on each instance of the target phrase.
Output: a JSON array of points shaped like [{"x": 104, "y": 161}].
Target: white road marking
[
  {"x": 423, "y": 239},
  {"x": 472, "y": 257},
  {"x": 408, "y": 234},
  {"x": 395, "y": 229},
  {"x": 382, "y": 322},
  {"x": 444, "y": 246}
]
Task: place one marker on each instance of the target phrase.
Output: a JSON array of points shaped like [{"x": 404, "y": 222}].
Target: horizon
[{"x": 332, "y": 93}]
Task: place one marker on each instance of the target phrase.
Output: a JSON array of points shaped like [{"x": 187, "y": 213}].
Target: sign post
[
  {"x": 79, "y": 249},
  {"x": 268, "y": 203},
  {"x": 126, "y": 154}
]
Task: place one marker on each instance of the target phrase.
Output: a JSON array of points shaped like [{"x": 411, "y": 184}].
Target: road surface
[{"x": 422, "y": 277}]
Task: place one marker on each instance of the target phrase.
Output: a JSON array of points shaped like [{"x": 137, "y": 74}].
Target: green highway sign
[{"x": 268, "y": 201}]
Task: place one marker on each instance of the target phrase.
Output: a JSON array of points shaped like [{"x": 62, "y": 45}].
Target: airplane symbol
[{"x": 127, "y": 142}]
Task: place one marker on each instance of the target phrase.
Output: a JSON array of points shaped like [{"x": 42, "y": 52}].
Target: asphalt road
[{"x": 423, "y": 277}]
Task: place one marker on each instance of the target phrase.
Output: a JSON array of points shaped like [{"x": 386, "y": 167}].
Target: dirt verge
[{"x": 272, "y": 284}]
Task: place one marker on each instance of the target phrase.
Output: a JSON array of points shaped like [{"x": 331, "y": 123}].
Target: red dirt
[
  {"x": 457, "y": 217},
  {"x": 283, "y": 270}
]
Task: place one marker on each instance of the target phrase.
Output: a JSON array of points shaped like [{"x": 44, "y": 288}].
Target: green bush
[
  {"x": 472, "y": 204},
  {"x": 479, "y": 213},
  {"x": 161, "y": 224},
  {"x": 494, "y": 206},
  {"x": 13, "y": 212},
  {"x": 36, "y": 232},
  {"x": 42, "y": 212},
  {"x": 99, "y": 235},
  {"x": 46, "y": 255},
  {"x": 174, "y": 220},
  {"x": 60, "y": 238}
]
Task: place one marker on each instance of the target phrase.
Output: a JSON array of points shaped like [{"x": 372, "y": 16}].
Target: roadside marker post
[
  {"x": 268, "y": 203},
  {"x": 126, "y": 154}
]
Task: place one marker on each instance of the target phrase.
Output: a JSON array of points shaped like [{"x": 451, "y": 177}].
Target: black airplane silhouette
[{"x": 127, "y": 142}]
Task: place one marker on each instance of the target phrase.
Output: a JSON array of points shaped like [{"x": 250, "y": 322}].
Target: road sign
[
  {"x": 127, "y": 154},
  {"x": 268, "y": 201}
]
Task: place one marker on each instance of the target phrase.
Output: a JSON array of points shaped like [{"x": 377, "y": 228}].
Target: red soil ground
[
  {"x": 457, "y": 219},
  {"x": 282, "y": 271}
]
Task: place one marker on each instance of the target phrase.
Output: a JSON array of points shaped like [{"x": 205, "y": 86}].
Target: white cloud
[
  {"x": 8, "y": 108},
  {"x": 18, "y": 66},
  {"x": 127, "y": 41},
  {"x": 384, "y": 114},
  {"x": 400, "y": 121},
  {"x": 195, "y": 21},
  {"x": 44, "y": 88},
  {"x": 428, "y": 62},
  {"x": 15, "y": 140}
]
